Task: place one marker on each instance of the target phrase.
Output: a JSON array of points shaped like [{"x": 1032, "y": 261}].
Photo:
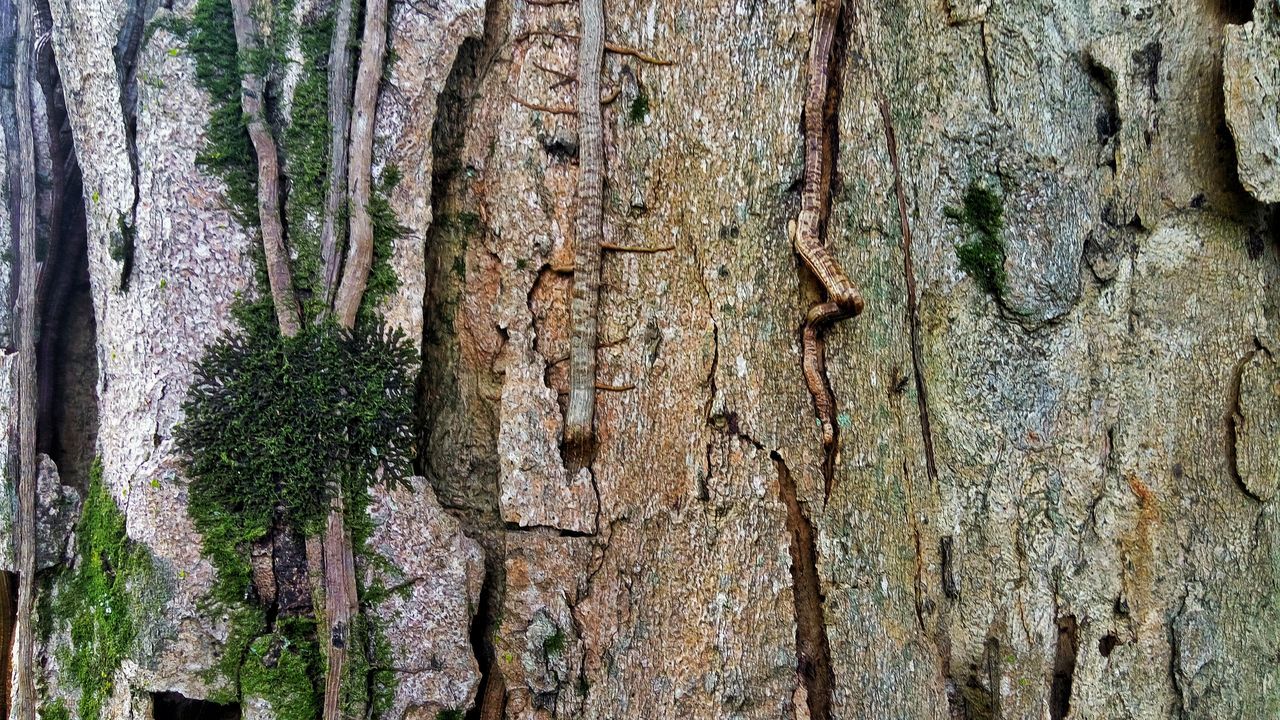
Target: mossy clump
[
  {"x": 102, "y": 598},
  {"x": 285, "y": 669},
  {"x": 639, "y": 109},
  {"x": 554, "y": 643},
  {"x": 982, "y": 255},
  {"x": 276, "y": 426},
  {"x": 306, "y": 149}
]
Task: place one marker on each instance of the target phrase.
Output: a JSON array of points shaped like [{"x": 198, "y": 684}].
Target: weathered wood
[
  {"x": 340, "y": 604},
  {"x": 253, "y": 89},
  {"x": 339, "y": 127},
  {"x": 27, "y": 386},
  {"x": 359, "y": 258}
]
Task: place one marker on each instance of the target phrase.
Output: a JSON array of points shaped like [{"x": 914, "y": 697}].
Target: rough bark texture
[{"x": 1052, "y": 496}]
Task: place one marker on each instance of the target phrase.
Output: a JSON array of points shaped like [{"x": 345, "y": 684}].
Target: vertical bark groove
[{"x": 813, "y": 650}]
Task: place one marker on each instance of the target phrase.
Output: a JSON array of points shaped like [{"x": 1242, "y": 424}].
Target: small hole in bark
[
  {"x": 1064, "y": 669},
  {"x": 1236, "y": 12},
  {"x": 175, "y": 706},
  {"x": 1106, "y": 644}
]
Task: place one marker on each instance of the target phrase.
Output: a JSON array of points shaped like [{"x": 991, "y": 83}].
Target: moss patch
[
  {"x": 275, "y": 426},
  {"x": 305, "y": 145},
  {"x": 228, "y": 152},
  {"x": 286, "y": 670},
  {"x": 113, "y": 590},
  {"x": 982, "y": 256}
]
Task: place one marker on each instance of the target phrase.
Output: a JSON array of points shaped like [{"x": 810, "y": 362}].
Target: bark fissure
[
  {"x": 913, "y": 302},
  {"x": 1064, "y": 668},
  {"x": 813, "y": 650},
  {"x": 1234, "y": 417},
  {"x": 128, "y": 47}
]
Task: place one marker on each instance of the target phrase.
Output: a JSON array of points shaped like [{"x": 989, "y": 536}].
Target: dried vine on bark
[
  {"x": 355, "y": 273},
  {"x": 580, "y": 414},
  {"x": 340, "y": 585},
  {"x": 339, "y": 126},
  {"x": 253, "y": 89},
  {"x": 843, "y": 299}
]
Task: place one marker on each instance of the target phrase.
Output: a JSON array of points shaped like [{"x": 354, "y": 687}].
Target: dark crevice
[
  {"x": 175, "y": 706},
  {"x": 9, "y": 123},
  {"x": 8, "y": 621},
  {"x": 562, "y": 532},
  {"x": 1234, "y": 418},
  {"x": 66, "y": 350},
  {"x": 125, "y": 53},
  {"x": 1235, "y": 12},
  {"x": 1106, "y": 644},
  {"x": 1064, "y": 668},
  {"x": 987, "y": 74},
  {"x": 1108, "y": 121},
  {"x": 813, "y": 651},
  {"x": 947, "y": 552},
  {"x": 462, "y": 466}
]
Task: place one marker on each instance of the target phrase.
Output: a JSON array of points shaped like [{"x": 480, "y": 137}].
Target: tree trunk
[{"x": 1052, "y": 488}]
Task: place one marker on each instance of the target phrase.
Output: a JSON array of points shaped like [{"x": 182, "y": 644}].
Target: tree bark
[
  {"x": 1054, "y": 498},
  {"x": 359, "y": 259}
]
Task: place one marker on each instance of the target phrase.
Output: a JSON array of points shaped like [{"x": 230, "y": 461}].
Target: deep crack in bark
[{"x": 813, "y": 651}]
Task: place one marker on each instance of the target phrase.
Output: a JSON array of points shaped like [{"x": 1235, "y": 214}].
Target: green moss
[
  {"x": 639, "y": 109},
  {"x": 285, "y": 669},
  {"x": 227, "y": 153},
  {"x": 553, "y": 645},
  {"x": 306, "y": 149},
  {"x": 56, "y": 710},
  {"x": 451, "y": 714},
  {"x": 386, "y": 231},
  {"x": 274, "y": 426},
  {"x": 121, "y": 249},
  {"x": 107, "y": 596},
  {"x": 982, "y": 256}
]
